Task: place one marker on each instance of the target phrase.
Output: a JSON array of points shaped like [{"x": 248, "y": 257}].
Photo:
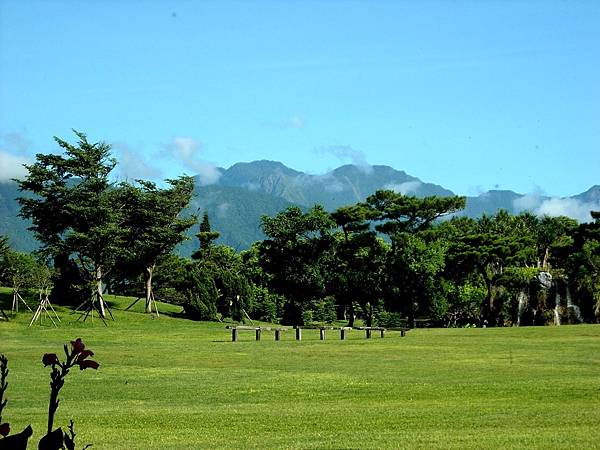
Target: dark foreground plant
[
  {"x": 77, "y": 355},
  {"x": 4, "y": 427}
]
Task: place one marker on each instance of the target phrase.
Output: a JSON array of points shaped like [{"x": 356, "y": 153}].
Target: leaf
[
  {"x": 52, "y": 441},
  {"x": 17, "y": 441}
]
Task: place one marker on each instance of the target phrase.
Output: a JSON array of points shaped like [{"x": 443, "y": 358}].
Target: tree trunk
[
  {"x": 489, "y": 302},
  {"x": 148, "y": 288},
  {"x": 546, "y": 258},
  {"x": 369, "y": 314},
  {"x": 411, "y": 315},
  {"x": 98, "y": 294},
  {"x": 351, "y": 314}
]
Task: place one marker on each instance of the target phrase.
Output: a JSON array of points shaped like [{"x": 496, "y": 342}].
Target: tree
[
  {"x": 293, "y": 257},
  {"x": 399, "y": 213},
  {"x": 73, "y": 210},
  {"x": 153, "y": 224},
  {"x": 4, "y": 251},
  {"x": 488, "y": 246},
  {"x": 206, "y": 237},
  {"x": 415, "y": 257},
  {"x": 583, "y": 265},
  {"x": 357, "y": 267},
  {"x": 21, "y": 271}
]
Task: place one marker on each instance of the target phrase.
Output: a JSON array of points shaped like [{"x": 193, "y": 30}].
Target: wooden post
[
  {"x": 298, "y": 334},
  {"x": 382, "y": 333},
  {"x": 322, "y": 334},
  {"x": 277, "y": 336},
  {"x": 342, "y": 334},
  {"x": 258, "y": 331},
  {"x": 368, "y": 331},
  {"x": 234, "y": 333}
]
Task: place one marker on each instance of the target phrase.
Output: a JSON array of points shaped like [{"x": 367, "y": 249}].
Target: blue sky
[{"x": 472, "y": 95}]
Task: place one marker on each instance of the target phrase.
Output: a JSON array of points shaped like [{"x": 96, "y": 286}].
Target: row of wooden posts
[{"x": 235, "y": 329}]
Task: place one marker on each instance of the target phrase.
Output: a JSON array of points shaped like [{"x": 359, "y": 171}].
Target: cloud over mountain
[
  {"x": 556, "y": 206},
  {"x": 11, "y": 166},
  {"x": 186, "y": 151},
  {"x": 347, "y": 153}
]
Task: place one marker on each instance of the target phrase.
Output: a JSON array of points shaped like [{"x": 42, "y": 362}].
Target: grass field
[{"x": 170, "y": 383}]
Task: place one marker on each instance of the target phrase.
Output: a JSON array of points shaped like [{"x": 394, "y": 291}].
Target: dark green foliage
[
  {"x": 356, "y": 269},
  {"x": 390, "y": 319},
  {"x": 206, "y": 237},
  {"x": 171, "y": 271},
  {"x": 266, "y": 305},
  {"x": 199, "y": 291},
  {"x": 294, "y": 256}
]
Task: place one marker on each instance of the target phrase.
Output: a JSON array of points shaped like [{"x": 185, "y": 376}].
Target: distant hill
[
  {"x": 10, "y": 222},
  {"x": 491, "y": 201},
  {"x": 234, "y": 212},
  {"x": 343, "y": 186},
  {"x": 246, "y": 191}
]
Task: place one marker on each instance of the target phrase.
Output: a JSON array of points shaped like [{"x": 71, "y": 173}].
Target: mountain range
[{"x": 246, "y": 191}]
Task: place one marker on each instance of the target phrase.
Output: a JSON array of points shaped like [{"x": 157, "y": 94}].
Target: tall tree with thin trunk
[
  {"x": 154, "y": 224},
  {"x": 73, "y": 209}
]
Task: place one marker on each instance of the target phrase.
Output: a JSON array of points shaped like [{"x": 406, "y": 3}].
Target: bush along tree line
[{"x": 390, "y": 260}]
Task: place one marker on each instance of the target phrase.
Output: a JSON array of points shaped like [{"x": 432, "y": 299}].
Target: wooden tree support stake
[{"x": 43, "y": 308}]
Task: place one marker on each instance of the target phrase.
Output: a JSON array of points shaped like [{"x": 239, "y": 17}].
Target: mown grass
[{"x": 170, "y": 383}]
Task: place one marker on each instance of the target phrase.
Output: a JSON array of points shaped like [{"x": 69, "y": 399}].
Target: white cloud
[
  {"x": 185, "y": 147},
  {"x": 186, "y": 151},
  {"x": 11, "y": 166},
  {"x": 296, "y": 122},
  {"x": 569, "y": 207},
  {"x": 529, "y": 202},
  {"x": 132, "y": 165},
  {"x": 328, "y": 180},
  {"x": 345, "y": 153},
  {"x": 408, "y": 187},
  {"x": 555, "y": 206}
]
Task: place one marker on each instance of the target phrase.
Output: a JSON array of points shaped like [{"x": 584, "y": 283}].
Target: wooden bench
[
  {"x": 402, "y": 330},
  {"x": 257, "y": 330},
  {"x": 322, "y": 330},
  {"x": 382, "y": 330}
]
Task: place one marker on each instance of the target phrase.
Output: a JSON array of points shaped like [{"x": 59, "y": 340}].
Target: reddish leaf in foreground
[
  {"x": 84, "y": 354},
  {"x": 49, "y": 359},
  {"x": 88, "y": 364},
  {"x": 78, "y": 345},
  {"x": 4, "y": 429}
]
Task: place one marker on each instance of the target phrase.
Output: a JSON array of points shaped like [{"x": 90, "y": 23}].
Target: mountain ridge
[{"x": 247, "y": 190}]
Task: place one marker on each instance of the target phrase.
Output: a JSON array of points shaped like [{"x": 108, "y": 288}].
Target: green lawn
[{"x": 170, "y": 383}]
